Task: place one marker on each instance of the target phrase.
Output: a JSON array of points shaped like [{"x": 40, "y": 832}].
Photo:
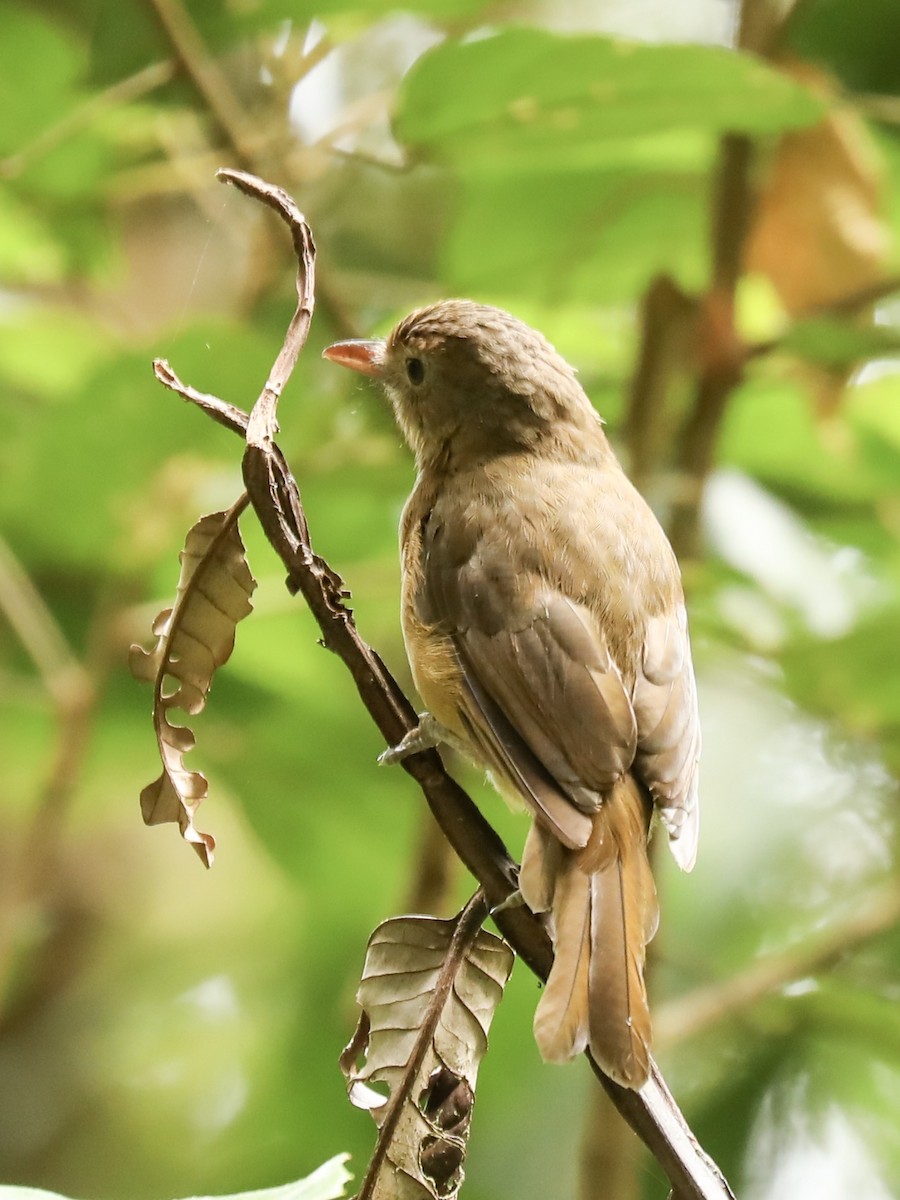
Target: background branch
[
  {"x": 33, "y": 856},
  {"x": 203, "y": 72},
  {"x": 696, "y": 1012}
]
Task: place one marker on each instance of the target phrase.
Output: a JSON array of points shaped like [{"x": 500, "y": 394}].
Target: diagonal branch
[
  {"x": 697, "y": 1011},
  {"x": 203, "y": 72},
  {"x": 652, "y": 1112}
]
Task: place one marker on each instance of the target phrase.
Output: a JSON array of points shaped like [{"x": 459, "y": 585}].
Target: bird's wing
[
  {"x": 544, "y": 700},
  {"x": 668, "y": 749}
]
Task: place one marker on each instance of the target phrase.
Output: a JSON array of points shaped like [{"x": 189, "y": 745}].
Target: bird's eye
[{"x": 415, "y": 370}]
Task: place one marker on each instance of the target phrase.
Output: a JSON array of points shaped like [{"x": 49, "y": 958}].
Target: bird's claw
[
  {"x": 425, "y": 736},
  {"x": 513, "y": 900}
]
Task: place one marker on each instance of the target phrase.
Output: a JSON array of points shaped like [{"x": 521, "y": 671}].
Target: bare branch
[
  {"x": 124, "y": 91},
  {"x": 696, "y": 1012},
  {"x": 221, "y": 411},
  {"x": 73, "y": 693},
  {"x": 721, "y": 351},
  {"x": 263, "y": 420},
  {"x": 37, "y": 628},
  {"x": 203, "y": 72}
]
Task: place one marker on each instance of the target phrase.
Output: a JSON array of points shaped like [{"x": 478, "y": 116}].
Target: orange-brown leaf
[
  {"x": 819, "y": 233},
  {"x": 192, "y": 639}
]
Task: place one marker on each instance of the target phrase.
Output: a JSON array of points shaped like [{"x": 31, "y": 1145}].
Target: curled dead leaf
[
  {"x": 428, "y": 997},
  {"x": 819, "y": 232},
  {"x": 193, "y": 638}
]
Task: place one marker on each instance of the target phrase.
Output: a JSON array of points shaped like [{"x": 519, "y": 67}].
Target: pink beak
[{"x": 358, "y": 355}]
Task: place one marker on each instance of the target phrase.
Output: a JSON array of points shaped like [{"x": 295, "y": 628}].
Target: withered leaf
[
  {"x": 192, "y": 639},
  {"x": 427, "y": 1003},
  {"x": 819, "y": 232}
]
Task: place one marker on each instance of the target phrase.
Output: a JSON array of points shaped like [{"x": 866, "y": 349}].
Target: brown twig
[
  {"x": 668, "y": 319},
  {"x": 434, "y": 873},
  {"x": 721, "y": 351},
  {"x": 722, "y": 354},
  {"x": 652, "y": 1112},
  {"x": 73, "y": 694},
  {"x": 203, "y": 73}
]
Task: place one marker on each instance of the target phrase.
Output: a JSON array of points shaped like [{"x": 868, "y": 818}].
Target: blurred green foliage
[{"x": 167, "y": 1032}]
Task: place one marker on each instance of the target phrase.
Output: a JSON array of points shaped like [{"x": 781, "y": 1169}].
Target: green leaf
[
  {"x": 875, "y": 408},
  {"x": 47, "y": 352},
  {"x": 325, "y": 1183},
  {"x": 529, "y": 90},
  {"x": 832, "y": 342},
  {"x": 853, "y": 678},
  {"x": 573, "y": 235},
  {"x": 38, "y": 68},
  {"x": 801, "y": 462},
  {"x": 856, "y": 41},
  {"x": 29, "y": 250}
]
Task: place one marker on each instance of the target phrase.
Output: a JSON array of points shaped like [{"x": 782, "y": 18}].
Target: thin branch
[
  {"x": 652, "y": 1112},
  {"x": 124, "y": 91},
  {"x": 434, "y": 870},
  {"x": 203, "y": 72},
  {"x": 668, "y": 319},
  {"x": 221, "y": 411},
  {"x": 721, "y": 351},
  {"x": 37, "y": 629},
  {"x": 263, "y": 420},
  {"x": 74, "y": 696},
  {"x": 698, "y": 1011}
]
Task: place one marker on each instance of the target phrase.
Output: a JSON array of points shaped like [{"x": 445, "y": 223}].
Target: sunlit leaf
[
  {"x": 594, "y": 236},
  {"x": 832, "y": 342},
  {"x": 427, "y": 1007},
  {"x": 526, "y": 89},
  {"x": 29, "y": 250},
  {"x": 325, "y": 1183},
  {"x": 31, "y": 99},
  {"x": 193, "y": 639}
]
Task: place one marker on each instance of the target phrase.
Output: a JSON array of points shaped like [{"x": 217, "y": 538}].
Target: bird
[{"x": 544, "y": 620}]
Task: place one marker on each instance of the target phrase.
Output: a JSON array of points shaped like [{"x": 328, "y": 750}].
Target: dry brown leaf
[
  {"x": 428, "y": 998},
  {"x": 819, "y": 233},
  {"x": 193, "y": 638}
]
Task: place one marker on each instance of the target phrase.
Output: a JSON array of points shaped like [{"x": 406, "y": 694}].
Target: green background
[{"x": 167, "y": 1031}]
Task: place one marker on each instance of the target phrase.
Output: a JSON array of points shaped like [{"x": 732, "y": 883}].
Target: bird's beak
[{"x": 358, "y": 355}]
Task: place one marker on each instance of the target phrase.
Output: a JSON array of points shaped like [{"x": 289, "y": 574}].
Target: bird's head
[{"x": 471, "y": 381}]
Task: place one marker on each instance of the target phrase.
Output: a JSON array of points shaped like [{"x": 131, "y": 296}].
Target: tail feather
[
  {"x": 561, "y": 1020},
  {"x": 541, "y": 861},
  {"x": 604, "y": 913},
  {"x": 619, "y": 1019}
]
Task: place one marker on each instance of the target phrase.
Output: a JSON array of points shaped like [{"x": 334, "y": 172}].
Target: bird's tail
[{"x": 603, "y": 904}]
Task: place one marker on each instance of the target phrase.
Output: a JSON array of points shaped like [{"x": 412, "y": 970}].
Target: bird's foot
[
  {"x": 513, "y": 900},
  {"x": 427, "y": 734}
]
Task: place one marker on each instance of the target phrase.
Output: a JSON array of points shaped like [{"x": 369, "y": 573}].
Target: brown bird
[{"x": 545, "y": 624}]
